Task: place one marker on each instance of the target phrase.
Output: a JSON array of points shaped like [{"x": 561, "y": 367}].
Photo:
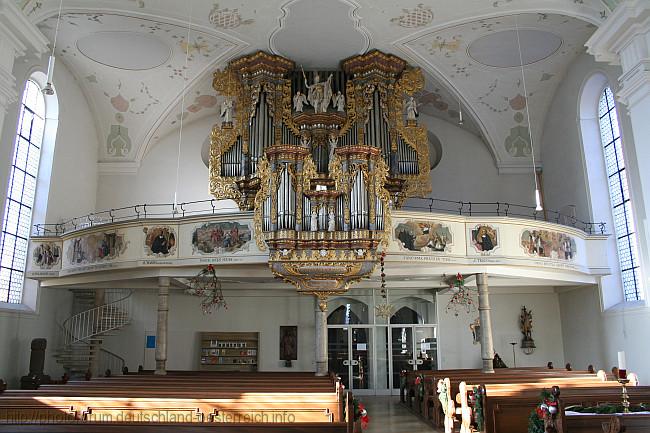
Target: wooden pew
[{"x": 243, "y": 399}]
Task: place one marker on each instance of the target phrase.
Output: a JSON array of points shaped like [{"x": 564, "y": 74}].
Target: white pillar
[
  {"x": 624, "y": 38},
  {"x": 161, "y": 328},
  {"x": 321, "y": 336},
  {"x": 487, "y": 347}
]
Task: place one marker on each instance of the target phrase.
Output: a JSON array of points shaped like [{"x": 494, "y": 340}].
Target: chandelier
[
  {"x": 206, "y": 285},
  {"x": 462, "y": 298},
  {"x": 320, "y": 157}
]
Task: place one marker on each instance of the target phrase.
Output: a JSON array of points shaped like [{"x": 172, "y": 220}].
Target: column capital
[
  {"x": 19, "y": 32},
  {"x": 627, "y": 24}
]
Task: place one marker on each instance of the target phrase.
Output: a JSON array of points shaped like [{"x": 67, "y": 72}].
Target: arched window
[
  {"x": 624, "y": 224},
  {"x": 21, "y": 193}
]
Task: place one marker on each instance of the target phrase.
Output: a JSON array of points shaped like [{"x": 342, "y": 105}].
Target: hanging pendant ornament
[
  {"x": 384, "y": 309},
  {"x": 207, "y": 285},
  {"x": 462, "y": 298}
]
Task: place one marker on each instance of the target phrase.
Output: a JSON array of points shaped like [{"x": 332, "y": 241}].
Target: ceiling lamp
[
  {"x": 49, "y": 88},
  {"x": 538, "y": 197}
]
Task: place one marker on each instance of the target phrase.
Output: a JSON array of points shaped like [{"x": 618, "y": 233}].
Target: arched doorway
[
  {"x": 413, "y": 342},
  {"x": 349, "y": 343}
]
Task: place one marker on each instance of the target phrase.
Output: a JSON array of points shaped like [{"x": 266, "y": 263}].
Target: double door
[
  {"x": 350, "y": 355},
  {"x": 412, "y": 347}
]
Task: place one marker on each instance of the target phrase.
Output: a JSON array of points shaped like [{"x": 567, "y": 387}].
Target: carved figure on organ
[
  {"x": 299, "y": 100},
  {"x": 313, "y": 221},
  {"x": 319, "y": 94},
  {"x": 332, "y": 145},
  {"x": 411, "y": 108},
  {"x": 226, "y": 110},
  {"x": 338, "y": 101},
  {"x": 331, "y": 224}
]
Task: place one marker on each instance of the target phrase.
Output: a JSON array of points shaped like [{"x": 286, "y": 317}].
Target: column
[
  {"x": 487, "y": 348},
  {"x": 321, "y": 335},
  {"x": 624, "y": 38},
  {"x": 161, "y": 328}
]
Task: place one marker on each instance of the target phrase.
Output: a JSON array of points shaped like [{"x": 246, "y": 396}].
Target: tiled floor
[{"x": 387, "y": 415}]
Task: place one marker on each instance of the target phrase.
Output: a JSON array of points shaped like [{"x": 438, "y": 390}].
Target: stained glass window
[
  {"x": 624, "y": 224},
  {"x": 21, "y": 193}
]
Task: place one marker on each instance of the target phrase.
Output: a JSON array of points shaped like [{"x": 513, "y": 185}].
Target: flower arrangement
[
  {"x": 207, "y": 285},
  {"x": 462, "y": 296},
  {"x": 477, "y": 398},
  {"x": 360, "y": 413},
  {"x": 419, "y": 385},
  {"x": 544, "y": 413}
]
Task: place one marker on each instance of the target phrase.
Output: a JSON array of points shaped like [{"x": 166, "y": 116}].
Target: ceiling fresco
[{"x": 129, "y": 57}]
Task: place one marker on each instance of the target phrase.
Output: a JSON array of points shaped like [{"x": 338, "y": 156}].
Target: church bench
[
  {"x": 336, "y": 427},
  {"x": 597, "y": 423}
]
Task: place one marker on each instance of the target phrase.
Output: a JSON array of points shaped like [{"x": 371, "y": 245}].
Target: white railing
[
  {"x": 114, "y": 314},
  {"x": 110, "y": 361}
]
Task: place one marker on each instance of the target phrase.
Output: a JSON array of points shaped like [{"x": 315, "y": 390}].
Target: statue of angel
[
  {"x": 411, "y": 108},
  {"x": 319, "y": 94},
  {"x": 299, "y": 100},
  {"x": 226, "y": 110},
  {"x": 338, "y": 101}
]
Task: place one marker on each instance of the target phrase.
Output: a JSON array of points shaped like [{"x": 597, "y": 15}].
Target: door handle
[
  {"x": 354, "y": 362},
  {"x": 410, "y": 362},
  {"x": 420, "y": 362},
  {"x": 346, "y": 362}
]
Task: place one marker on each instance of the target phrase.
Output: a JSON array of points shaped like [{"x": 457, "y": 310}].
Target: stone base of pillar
[
  {"x": 161, "y": 368},
  {"x": 321, "y": 369},
  {"x": 488, "y": 366}
]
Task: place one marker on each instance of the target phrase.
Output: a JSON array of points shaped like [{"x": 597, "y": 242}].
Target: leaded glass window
[
  {"x": 624, "y": 224},
  {"x": 21, "y": 193}
]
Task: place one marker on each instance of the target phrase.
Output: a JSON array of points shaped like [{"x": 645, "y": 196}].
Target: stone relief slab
[
  {"x": 220, "y": 238},
  {"x": 423, "y": 236},
  {"x": 550, "y": 244},
  {"x": 159, "y": 241}
]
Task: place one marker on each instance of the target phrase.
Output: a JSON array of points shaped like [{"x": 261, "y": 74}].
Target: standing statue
[
  {"x": 298, "y": 101},
  {"x": 226, "y": 110},
  {"x": 331, "y": 222},
  {"x": 332, "y": 144},
  {"x": 411, "y": 108},
  {"x": 338, "y": 101},
  {"x": 313, "y": 221},
  {"x": 448, "y": 406},
  {"x": 526, "y": 323},
  {"x": 319, "y": 94}
]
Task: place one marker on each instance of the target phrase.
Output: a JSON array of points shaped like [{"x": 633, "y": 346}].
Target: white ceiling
[{"x": 129, "y": 57}]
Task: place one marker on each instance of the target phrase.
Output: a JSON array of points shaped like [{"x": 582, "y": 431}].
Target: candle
[{"x": 621, "y": 361}]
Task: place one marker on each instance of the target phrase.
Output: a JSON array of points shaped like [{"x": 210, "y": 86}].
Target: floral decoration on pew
[
  {"x": 542, "y": 419},
  {"x": 360, "y": 413},
  {"x": 207, "y": 285},
  {"x": 462, "y": 298},
  {"x": 477, "y": 401},
  {"x": 419, "y": 385}
]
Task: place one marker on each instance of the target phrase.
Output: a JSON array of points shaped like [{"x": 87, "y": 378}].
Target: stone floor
[{"x": 387, "y": 415}]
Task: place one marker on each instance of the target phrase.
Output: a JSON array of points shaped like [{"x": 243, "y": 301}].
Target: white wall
[
  {"x": 155, "y": 180},
  {"x": 458, "y": 351},
  {"x": 467, "y": 170},
  {"x": 251, "y": 313},
  {"x": 17, "y": 329}
]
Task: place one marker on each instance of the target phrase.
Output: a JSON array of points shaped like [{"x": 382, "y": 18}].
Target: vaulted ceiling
[{"x": 129, "y": 57}]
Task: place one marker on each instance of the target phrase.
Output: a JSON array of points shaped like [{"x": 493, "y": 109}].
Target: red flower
[
  {"x": 418, "y": 380},
  {"x": 210, "y": 268}
]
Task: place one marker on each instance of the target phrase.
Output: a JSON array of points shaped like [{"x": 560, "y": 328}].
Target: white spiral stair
[{"x": 85, "y": 331}]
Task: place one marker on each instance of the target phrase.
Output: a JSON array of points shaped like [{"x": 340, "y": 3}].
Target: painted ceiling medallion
[
  {"x": 133, "y": 51},
  {"x": 331, "y": 29},
  {"x": 500, "y": 49}
]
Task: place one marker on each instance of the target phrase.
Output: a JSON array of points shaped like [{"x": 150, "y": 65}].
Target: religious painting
[
  {"x": 159, "y": 241},
  {"x": 96, "y": 247},
  {"x": 484, "y": 238},
  {"x": 424, "y": 236},
  {"x": 288, "y": 343},
  {"x": 544, "y": 243},
  {"x": 46, "y": 255},
  {"x": 219, "y": 238}
]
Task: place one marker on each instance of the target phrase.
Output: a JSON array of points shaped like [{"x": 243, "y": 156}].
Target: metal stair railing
[{"x": 114, "y": 314}]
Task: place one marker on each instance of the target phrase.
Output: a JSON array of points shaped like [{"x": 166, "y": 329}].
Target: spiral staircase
[{"x": 98, "y": 314}]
